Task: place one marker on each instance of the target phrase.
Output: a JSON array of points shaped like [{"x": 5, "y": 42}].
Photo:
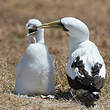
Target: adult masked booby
[
  {"x": 85, "y": 68},
  {"x": 34, "y": 74}
]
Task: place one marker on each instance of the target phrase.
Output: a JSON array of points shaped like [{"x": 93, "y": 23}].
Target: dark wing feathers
[
  {"x": 98, "y": 82},
  {"x": 96, "y": 69},
  {"x": 92, "y": 83}
]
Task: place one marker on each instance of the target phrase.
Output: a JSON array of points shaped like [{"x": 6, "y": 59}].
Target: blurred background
[{"x": 14, "y": 14}]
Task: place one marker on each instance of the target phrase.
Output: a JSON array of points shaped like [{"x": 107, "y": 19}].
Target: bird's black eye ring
[{"x": 65, "y": 29}]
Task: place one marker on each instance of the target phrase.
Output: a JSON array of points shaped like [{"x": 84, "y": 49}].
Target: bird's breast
[{"x": 36, "y": 50}]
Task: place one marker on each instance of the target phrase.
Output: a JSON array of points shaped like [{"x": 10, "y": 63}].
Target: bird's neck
[
  {"x": 37, "y": 38},
  {"x": 75, "y": 43}
]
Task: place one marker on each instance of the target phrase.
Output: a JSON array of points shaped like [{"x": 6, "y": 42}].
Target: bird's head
[
  {"x": 74, "y": 27},
  {"x": 32, "y": 27}
]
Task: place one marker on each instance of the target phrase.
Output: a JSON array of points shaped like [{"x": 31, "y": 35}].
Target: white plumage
[
  {"x": 89, "y": 54},
  {"x": 34, "y": 74},
  {"x": 85, "y": 68}
]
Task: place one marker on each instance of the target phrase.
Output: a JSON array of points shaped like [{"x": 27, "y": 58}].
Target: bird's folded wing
[{"x": 91, "y": 72}]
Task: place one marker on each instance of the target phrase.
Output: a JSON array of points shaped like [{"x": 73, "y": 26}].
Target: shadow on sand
[
  {"x": 59, "y": 95},
  {"x": 78, "y": 99}
]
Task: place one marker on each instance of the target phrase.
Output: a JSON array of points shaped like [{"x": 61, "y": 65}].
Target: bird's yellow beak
[{"x": 54, "y": 24}]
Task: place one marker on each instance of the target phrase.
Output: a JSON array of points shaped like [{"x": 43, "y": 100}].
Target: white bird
[
  {"x": 34, "y": 74},
  {"x": 85, "y": 68}
]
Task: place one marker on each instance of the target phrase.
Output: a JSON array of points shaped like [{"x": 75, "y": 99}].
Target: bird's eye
[{"x": 28, "y": 25}]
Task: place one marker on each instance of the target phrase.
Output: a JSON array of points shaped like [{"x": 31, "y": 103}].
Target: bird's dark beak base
[{"x": 54, "y": 24}]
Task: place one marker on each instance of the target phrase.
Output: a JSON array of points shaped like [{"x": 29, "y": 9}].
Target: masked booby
[{"x": 85, "y": 68}]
